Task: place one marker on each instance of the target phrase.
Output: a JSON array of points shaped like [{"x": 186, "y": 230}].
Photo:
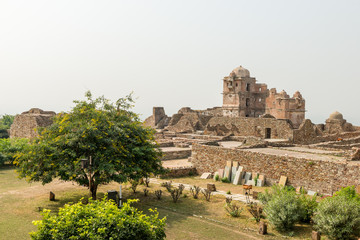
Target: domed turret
[
  {"x": 336, "y": 116},
  {"x": 241, "y": 72}
]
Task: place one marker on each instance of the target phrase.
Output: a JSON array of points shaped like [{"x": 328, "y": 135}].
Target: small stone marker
[
  {"x": 221, "y": 173},
  {"x": 216, "y": 174},
  {"x": 260, "y": 183},
  {"x": 52, "y": 196},
  {"x": 211, "y": 187},
  {"x": 233, "y": 173},
  {"x": 283, "y": 181},
  {"x": 206, "y": 176},
  {"x": 311, "y": 193},
  {"x": 262, "y": 228},
  {"x": 315, "y": 235},
  {"x": 227, "y": 173}
]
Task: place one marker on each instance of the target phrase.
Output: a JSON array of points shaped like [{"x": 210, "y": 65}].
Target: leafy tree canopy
[
  {"x": 119, "y": 145},
  {"x": 6, "y": 121}
]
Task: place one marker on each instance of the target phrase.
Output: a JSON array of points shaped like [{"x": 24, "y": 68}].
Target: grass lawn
[{"x": 190, "y": 218}]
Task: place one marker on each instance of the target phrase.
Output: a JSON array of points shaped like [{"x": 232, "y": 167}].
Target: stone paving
[
  {"x": 236, "y": 197},
  {"x": 296, "y": 154}
]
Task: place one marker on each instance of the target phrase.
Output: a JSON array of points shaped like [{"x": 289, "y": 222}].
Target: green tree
[
  {"x": 10, "y": 147},
  {"x": 6, "y": 121},
  {"x": 99, "y": 220},
  {"x": 120, "y": 147}
]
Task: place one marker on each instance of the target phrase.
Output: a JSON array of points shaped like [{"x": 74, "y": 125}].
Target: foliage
[
  {"x": 134, "y": 184},
  {"x": 217, "y": 178},
  {"x": 282, "y": 208},
  {"x": 175, "y": 194},
  {"x": 195, "y": 191},
  {"x": 308, "y": 205},
  {"x": 167, "y": 185},
  {"x": 338, "y": 217},
  {"x": 228, "y": 192},
  {"x": 233, "y": 209},
  {"x": 207, "y": 194},
  {"x": 349, "y": 193},
  {"x": 6, "y": 121},
  {"x": 121, "y": 147},
  {"x": 256, "y": 180},
  {"x": 225, "y": 180},
  {"x": 256, "y": 211},
  {"x": 181, "y": 188},
  {"x": 158, "y": 194},
  {"x": 99, "y": 220},
  {"x": 10, "y": 147}
]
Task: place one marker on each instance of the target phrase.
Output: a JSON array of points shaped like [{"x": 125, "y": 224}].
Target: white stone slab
[
  {"x": 238, "y": 177},
  {"x": 233, "y": 173},
  {"x": 260, "y": 183},
  {"x": 206, "y": 176},
  {"x": 311, "y": 193},
  {"x": 227, "y": 173}
]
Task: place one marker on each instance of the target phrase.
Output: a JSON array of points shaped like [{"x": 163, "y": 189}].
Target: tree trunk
[{"x": 93, "y": 190}]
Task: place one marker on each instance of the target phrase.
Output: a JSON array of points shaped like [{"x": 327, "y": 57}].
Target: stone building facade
[
  {"x": 25, "y": 125},
  {"x": 244, "y": 97}
]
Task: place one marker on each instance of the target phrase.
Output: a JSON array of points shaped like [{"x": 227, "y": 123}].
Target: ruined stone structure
[
  {"x": 25, "y": 124},
  {"x": 337, "y": 124},
  {"x": 243, "y": 97},
  {"x": 159, "y": 119}
]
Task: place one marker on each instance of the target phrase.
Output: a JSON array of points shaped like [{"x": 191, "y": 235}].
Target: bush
[
  {"x": 225, "y": 180},
  {"x": 339, "y": 217},
  {"x": 308, "y": 205},
  {"x": 99, "y": 220},
  {"x": 233, "y": 209},
  {"x": 217, "y": 178},
  {"x": 10, "y": 147},
  {"x": 283, "y": 209}
]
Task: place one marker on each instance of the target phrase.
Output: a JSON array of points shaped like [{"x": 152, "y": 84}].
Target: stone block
[
  {"x": 227, "y": 173},
  {"x": 283, "y": 181},
  {"x": 315, "y": 235},
  {"x": 260, "y": 183},
  {"x": 211, "y": 187},
  {"x": 238, "y": 177},
  {"x": 233, "y": 173},
  {"x": 262, "y": 177},
  {"x": 206, "y": 176},
  {"x": 221, "y": 173},
  {"x": 262, "y": 228},
  {"x": 235, "y": 164},
  {"x": 52, "y": 196},
  {"x": 247, "y": 176},
  {"x": 229, "y": 164},
  {"x": 250, "y": 182},
  {"x": 311, "y": 193}
]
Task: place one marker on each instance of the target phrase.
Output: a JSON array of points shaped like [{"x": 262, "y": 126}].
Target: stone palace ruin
[{"x": 266, "y": 132}]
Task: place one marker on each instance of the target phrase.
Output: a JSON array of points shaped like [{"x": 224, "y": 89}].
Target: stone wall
[
  {"x": 324, "y": 176},
  {"x": 179, "y": 172},
  {"x": 280, "y": 129},
  {"x": 25, "y": 125},
  {"x": 176, "y": 154}
]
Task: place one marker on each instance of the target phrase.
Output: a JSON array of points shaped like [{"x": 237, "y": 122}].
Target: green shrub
[
  {"x": 217, "y": 178},
  {"x": 228, "y": 192},
  {"x": 283, "y": 209},
  {"x": 308, "y": 206},
  {"x": 348, "y": 193},
  {"x": 10, "y": 147},
  {"x": 338, "y": 217},
  {"x": 99, "y": 220},
  {"x": 225, "y": 180},
  {"x": 233, "y": 209}
]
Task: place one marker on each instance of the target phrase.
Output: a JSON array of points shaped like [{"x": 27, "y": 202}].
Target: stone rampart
[{"x": 324, "y": 176}]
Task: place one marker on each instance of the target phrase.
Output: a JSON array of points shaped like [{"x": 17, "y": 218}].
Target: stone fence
[{"x": 323, "y": 176}]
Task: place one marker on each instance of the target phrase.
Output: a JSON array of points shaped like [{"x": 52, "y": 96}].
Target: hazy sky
[{"x": 175, "y": 53}]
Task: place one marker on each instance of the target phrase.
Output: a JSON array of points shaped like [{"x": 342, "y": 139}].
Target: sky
[{"x": 175, "y": 53}]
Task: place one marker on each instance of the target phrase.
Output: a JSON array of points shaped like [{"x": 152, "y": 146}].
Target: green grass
[{"x": 188, "y": 219}]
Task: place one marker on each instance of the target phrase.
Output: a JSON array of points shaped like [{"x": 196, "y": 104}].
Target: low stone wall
[
  {"x": 176, "y": 154},
  {"x": 179, "y": 172},
  {"x": 324, "y": 176}
]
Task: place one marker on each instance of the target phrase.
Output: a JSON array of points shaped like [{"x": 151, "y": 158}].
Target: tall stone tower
[{"x": 242, "y": 96}]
